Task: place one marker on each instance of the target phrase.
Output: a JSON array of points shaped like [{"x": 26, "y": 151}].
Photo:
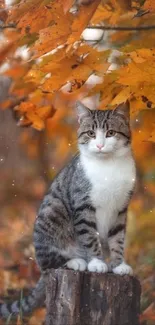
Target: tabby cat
[{"x": 83, "y": 215}]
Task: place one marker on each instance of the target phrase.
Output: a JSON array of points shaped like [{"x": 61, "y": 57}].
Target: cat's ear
[
  {"x": 82, "y": 111},
  {"x": 124, "y": 109}
]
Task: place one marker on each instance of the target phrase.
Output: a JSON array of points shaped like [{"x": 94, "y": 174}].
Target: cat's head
[{"x": 104, "y": 133}]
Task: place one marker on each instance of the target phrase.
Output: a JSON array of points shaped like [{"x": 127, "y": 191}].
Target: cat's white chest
[{"x": 111, "y": 181}]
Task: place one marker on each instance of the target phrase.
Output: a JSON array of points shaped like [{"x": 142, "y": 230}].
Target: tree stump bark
[{"x": 82, "y": 298}]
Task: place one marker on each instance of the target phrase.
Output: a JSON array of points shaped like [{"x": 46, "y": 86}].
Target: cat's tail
[{"x": 25, "y": 305}]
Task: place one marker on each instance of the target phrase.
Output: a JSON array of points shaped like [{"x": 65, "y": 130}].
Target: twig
[
  {"x": 141, "y": 13},
  {"x": 8, "y": 26},
  {"x": 121, "y": 28},
  {"x": 125, "y": 28}
]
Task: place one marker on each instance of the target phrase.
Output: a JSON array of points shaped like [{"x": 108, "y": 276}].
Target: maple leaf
[
  {"x": 52, "y": 27},
  {"x": 67, "y": 4},
  {"x": 122, "y": 96},
  {"x": 4, "y": 51},
  {"x": 18, "y": 10},
  {"x": 81, "y": 21},
  {"x": 56, "y": 34},
  {"x": 137, "y": 73},
  {"x": 149, "y": 5}
]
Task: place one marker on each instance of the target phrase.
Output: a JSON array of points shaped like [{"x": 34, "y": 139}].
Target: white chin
[{"x": 101, "y": 153}]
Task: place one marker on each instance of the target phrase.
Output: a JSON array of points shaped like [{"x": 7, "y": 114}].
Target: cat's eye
[
  {"x": 110, "y": 133},
  {"x": 91, "y": 134}
]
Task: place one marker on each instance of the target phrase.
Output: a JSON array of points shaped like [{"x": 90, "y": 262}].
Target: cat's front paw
[
  {"x": 112, "y": 265},
  {"x": 123, "y": 269},
  {"x": 77, "y": 264},
  {"x": 96, "y": 265}
]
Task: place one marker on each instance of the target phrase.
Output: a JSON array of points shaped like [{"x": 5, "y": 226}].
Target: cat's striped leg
[
  {"x": 53, "y": 234},
  {"x": 88, "y": 238},
  {"x": 116, "y": 238}
]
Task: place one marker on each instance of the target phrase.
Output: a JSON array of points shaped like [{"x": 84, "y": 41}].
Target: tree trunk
[{"x": 82, "y": 298}]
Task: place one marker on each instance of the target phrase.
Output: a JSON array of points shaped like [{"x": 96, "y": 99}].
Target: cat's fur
[{"x": 83, "y": 215}]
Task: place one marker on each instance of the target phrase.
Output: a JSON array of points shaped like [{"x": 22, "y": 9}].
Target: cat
[{"x": 84, "y": 213}]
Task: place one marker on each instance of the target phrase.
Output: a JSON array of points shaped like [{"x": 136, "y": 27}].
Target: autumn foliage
[
  {"x": 57, "y": 70},
  {"x": 58, "y": 55}
]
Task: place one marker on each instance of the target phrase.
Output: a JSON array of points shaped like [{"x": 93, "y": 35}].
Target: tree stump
[{"x": 84, "y": 298}]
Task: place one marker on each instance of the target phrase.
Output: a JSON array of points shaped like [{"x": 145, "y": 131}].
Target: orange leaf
[
  {"x": 122, "y": 96},
  {"x": 142, "y": 55},
  {"x": 57, "y": 33},
  {"x": 5, "y": 51},
  {"x": 17, "y": 71},
  {"x": 125, "y": 5},
  {"x": 132, "y": 74},
  {"x": 96, "y": 61},
  {"x": 111, "y": 11},
  {"x": 50, "y": 38},
  {"x": 44, "y": 112},
  {"x": 34, "y": 115},
  {"x": 52, "y": 58},
  {"x": 35, "y": 20},
  {"x": 149, "y": 5},
  {"x": 25, "y": 107},
  {"x": 102, "y": 13},
  {"x": 36, "y": 121},
  {"x": 60, "y": 73},
  {"x": 17, "y": 11},
  {"x": 67, "y": 4},
  {"x": 145, "y": 129},
  {"x": 81, "y": 21},
  {"x": 81, "y": 72}
]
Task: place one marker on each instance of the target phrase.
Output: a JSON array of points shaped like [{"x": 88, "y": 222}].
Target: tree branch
[
  {"x": 121, "y": 28},
  {"x": 7, "y": 26}
]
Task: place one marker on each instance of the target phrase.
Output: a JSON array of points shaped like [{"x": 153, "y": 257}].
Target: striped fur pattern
[
  {"x": 26, "y": 306},
  {"x": 82, "y": 218}
]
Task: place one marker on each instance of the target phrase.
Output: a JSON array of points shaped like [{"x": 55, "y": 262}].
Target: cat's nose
[{"x": 100, "y": 146}]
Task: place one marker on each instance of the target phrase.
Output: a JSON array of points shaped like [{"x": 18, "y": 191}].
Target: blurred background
[{"x": 29, "y": 158}]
